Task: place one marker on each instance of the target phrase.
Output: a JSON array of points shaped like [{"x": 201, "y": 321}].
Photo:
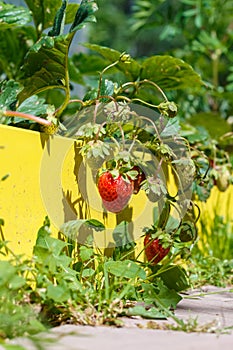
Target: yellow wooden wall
[{"x": 44, "y": 173}]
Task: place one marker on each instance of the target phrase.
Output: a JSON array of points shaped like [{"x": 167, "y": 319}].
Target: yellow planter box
[{"x": 47, "y": 177}]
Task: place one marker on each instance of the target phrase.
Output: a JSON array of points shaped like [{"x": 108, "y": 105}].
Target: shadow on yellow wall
[{"x": 48, "y": 177}]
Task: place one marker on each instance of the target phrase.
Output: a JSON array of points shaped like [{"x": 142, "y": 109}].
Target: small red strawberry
[
  {"x": 114, "y": 191},
  {"x": 155, "y": 251}
]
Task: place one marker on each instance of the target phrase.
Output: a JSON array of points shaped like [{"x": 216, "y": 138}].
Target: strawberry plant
[{"x": 131, "y": 142}]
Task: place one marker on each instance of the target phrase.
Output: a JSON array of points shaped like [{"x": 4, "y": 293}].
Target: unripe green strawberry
[
  {"x": 168, "y": 108},
  {"x": 223, "y": 180},
  {"x": 49, "y": 129},
  {"x": 188, "y": 231}
]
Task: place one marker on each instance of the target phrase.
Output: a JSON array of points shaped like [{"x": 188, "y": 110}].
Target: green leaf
[
  {"x": 13, "y": 347},
  {"x": 48, "y": 250},
  {"x": 123, "y": 239},
  {"x": 7, "y": 271},
  {"x": 11, "y": 16},
  {"x": 95, "y": 224},
  {"x": 171, "y": 128},
  {"x": 8, "y": 96},
  {"x": 168, "y": 297},
  {"x": 139, "y": 310},
  {"x": 72, "y": 227},
  {"x": 74, "y": 73},
  {"x": 46, "y": 66},
  {"x": 33, "y": 105},
  {"x": 160, "y": 294},
  {"x": 13, "y": 48},
  {"x": 170, "y": 72},
  {"x": 84, "y": 14},
  {"x": 71, "y": 10},
  {"x": 89, "y": 64},
  {"x": 51, "y": 244},
  {"x": 88, "y": 273},
  {"x": 85, "y": 253},
  {"x": 43, "y": 12},
  {"x": 175, "y": 277},
  {"x": 131, "y": 70},
  {"x": 59, "y": 20},
  {"x": 125, "y": 269},
  {"x": 107, "y": 89},
  {"x": 16, "y": 282},
  {"x": 58, "y": 293}
]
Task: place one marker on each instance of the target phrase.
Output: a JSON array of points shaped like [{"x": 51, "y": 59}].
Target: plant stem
[
  {"x": 38, "y": 120},
  {"x": 146, "y": 81},
  {"x": 101, "y": 76},
  {"x": 154, "y": 126},
  {"x": 76, "y": 101},
  {"x": 145, "y": 103}
]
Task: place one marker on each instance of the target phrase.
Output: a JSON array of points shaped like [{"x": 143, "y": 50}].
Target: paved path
[{"x": 214, "y": 309}]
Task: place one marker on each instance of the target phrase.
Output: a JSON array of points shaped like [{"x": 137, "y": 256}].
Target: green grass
[{"x": 211, "y": 261}]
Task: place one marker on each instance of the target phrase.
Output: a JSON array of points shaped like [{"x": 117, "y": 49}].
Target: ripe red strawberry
[
  {"x": 115, "y": 192},
  {"x": 154, "y": 249}
]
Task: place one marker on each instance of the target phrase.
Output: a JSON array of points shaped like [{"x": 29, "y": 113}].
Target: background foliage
[{"x": 200, "y": 32}]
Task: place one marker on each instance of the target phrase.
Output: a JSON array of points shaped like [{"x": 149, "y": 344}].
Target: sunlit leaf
[
  {"x": 170, "y": 72},
  {"x": 58, "y": 293},
  {"x": 43, "y": 13},
  {"x": 131, "y": 69},
  {"x": 139, "y": 310},
  {"x": 175, "y": 278},
  {"x": 8, "y": 96},
  {"x": 125, "y": 268},
  {"x": 84, "y": 15},
  {"x": 46, "y": 64},
  {"x": 11, "y": 16}
]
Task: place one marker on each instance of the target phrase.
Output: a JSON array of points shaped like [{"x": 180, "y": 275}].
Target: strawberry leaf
[
  {"x": 123, "y": 239},
  {"x": 8, "y": 95},
  {"x": 131, "y": 69},
  {"x": 95, "y": 224},
  {"x": 175, "y": 277},
  {"x": 170, "y": 73},
  {"x": 107, "y": 89},
  {"x": 84, "y": 14},
  {"x": 33, "y": 105},
  {"x": 59, "y": 294},
  {"x": 125, "y": 269},
  {"x": 71, "y": 228},
  {"x": 12, "y": 16},
  {"x": 140, "y": 310},
  {"x": 59, "y": 20},
  {"x": 46, "y": 64}
]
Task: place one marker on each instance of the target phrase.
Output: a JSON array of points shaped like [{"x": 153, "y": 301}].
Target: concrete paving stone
[
  {"x": 208, "y": 304},
  {"x": 110, "y": 338}
]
